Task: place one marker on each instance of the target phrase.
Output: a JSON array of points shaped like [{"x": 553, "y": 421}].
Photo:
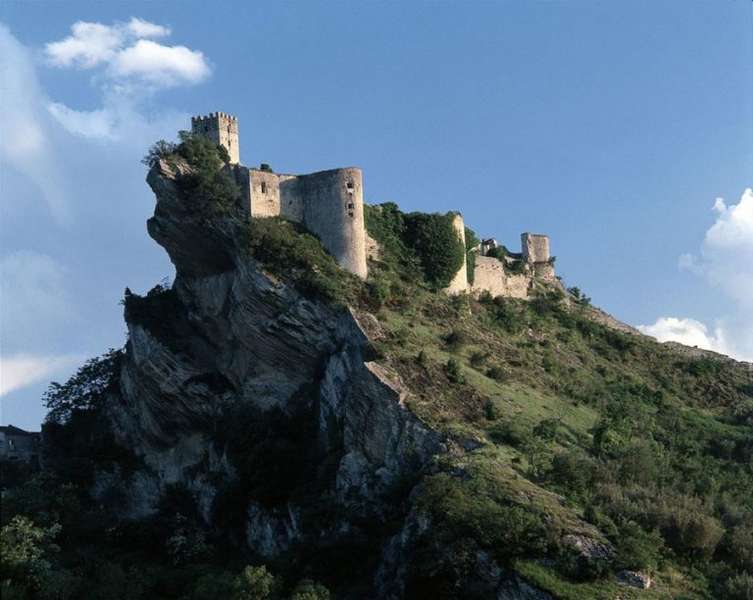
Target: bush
[
  {"x": 207, "y": 188},
  {"x": 285, "y": 249},
  {"x": 254, "y": 583},
  {"x": 454, "y": 371},
  {"x": 310, "y": 590},
  {"x": 437, "y": 245},
  {"x": 478, "y": 359},
  {"x": 513, "y": 433},
  {"x": 739, "y": 587},
  {"x": 497, "y": 374},
  {"x": 638, "y": 550},
  {"x": 161, "y": 149},
  {"x": 456, "y": 339}
]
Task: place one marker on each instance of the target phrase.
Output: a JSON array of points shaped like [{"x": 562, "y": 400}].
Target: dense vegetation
[
  {"x": 558, "y": 426},
  {"x": 430, "y": 238},
  {"x": 652, "y": 448}
]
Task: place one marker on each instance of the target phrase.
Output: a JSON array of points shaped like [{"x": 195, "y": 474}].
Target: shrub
[
  {"x": 454, "y": 371},
  {"x": 637, "y": 549},
  {"x": 471, "y": 242},
  {"x": 254, "y": 583},
  {"x": 740, "y": 546},
  {"x": 513, "y": 433},
  {"x": 310, "y": 590},
  {"x": 161, "y": 149},
  {"x": 287, "y": 250},
  {"x": 497, "y": 374},
  {"x": 507, "y": 314},
  {"x": 456, "y": 339},
  {"x": 437, "y": 245},
  {"x": 478, "y": 359},
  {"x": 739, "y": 587},
  {"x": 579, "y": 297},
  {"x": 491, "y": 412}
]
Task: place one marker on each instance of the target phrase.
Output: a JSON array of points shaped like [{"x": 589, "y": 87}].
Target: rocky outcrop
[{"x": 229, "y": 339}]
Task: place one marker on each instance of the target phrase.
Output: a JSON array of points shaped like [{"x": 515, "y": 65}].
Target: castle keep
[
  {"x": 327, "y": 203},
  {"x": 330, "y": 205}
]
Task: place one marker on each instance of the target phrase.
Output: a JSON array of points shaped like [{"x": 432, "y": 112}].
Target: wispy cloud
[
  {"x": 25, "y": 143},
  {"x": 725, "y": 262},
  {"x": 128, "y": 66},
  {"x": 21, "y": 370},
  {"x": 33, "y": 298}
]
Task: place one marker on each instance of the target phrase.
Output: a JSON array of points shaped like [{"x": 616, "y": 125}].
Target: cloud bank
[{"x": 725, "y": 262}]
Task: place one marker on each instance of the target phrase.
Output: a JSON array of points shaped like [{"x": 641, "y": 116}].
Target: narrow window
[
  {"x": 263, "y": 187},
  {"x": 350, "y": 187},
  {"x": 350, "y": 206}
]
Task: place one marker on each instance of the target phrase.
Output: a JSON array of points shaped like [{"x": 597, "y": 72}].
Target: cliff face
[{"x": 232, "y": 347}]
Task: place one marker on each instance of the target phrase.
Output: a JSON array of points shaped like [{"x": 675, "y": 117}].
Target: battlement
[
  {"x": 214, "y": 117},
  {"x": 222, "y": 129},
  {"x": 330, "y": 205}
]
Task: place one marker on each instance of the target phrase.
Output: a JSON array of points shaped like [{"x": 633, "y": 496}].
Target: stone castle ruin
[{"x": 330, "y": 205}]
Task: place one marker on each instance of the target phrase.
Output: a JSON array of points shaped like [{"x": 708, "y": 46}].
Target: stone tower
[
  {"x": 535, "y": 247},
  {"x": 222, "y": 129}
]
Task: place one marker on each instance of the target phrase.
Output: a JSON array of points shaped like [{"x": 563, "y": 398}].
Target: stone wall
[
  {"x": 535, "y": 247},
  {"x": 489, "y": 275},
  {"x": 327, "y": 203},
  {"x": 459, "y": 283}
]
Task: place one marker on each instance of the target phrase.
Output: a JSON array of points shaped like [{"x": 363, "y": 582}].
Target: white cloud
[
  {"x": 145, "y": 29},
  {"x": 161, "y": 65},
  {"x": 725, "y": 261},
  {"x": 129, "y": 54},
  {"x": 686, "y": 331},
  {"x": 90, "y": 45},
  {"x": 727, "y": 253},
  {"x": 21, "y": 370},
  {"x": 88, "y": 123},
  {"x": 25, "y": 143}
]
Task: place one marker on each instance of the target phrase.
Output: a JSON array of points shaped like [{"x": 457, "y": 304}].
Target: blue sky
[{"x": 613, "y": 127}]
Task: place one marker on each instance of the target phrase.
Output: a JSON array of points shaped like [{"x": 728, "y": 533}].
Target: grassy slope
[{"x": 668, "y": 435}]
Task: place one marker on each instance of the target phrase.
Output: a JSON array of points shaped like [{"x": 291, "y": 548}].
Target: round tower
[{"x": 333, "y": 210}]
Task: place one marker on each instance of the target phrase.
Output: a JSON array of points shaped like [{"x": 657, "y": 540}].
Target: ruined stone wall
[
  {"x": 264, "y": 193},
  {"x": 333, "y": 210},
  {"x": 459, "y": 283},
  {"x": 489, "y": 275},
  {"x": 221, "y": 128},
  {"x": 535, "y": 247}
]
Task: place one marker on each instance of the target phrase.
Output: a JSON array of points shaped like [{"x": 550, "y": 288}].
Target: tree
[
  {"x": 24, "y": 551},
  {"x": 310, "y": 590},
  {"x": 84, "y": 391},
  {"x": 437, "y": 245},
  {"x": 254, "y": 583}
]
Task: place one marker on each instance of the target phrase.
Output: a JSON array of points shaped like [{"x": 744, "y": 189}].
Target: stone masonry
[{"x": 330, "y": 205}]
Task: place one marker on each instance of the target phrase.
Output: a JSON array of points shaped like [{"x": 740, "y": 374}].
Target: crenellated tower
[{"x": 222, "y": 129}]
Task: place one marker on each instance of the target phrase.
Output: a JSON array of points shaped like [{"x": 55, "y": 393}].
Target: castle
[{"x": 330, "y": 205}]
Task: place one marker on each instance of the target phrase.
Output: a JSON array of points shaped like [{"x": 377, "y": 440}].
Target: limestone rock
[{"x": 634, "y": 579}]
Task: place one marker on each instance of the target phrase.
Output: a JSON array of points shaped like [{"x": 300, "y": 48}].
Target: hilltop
[{"x": 278, "y": 426}]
